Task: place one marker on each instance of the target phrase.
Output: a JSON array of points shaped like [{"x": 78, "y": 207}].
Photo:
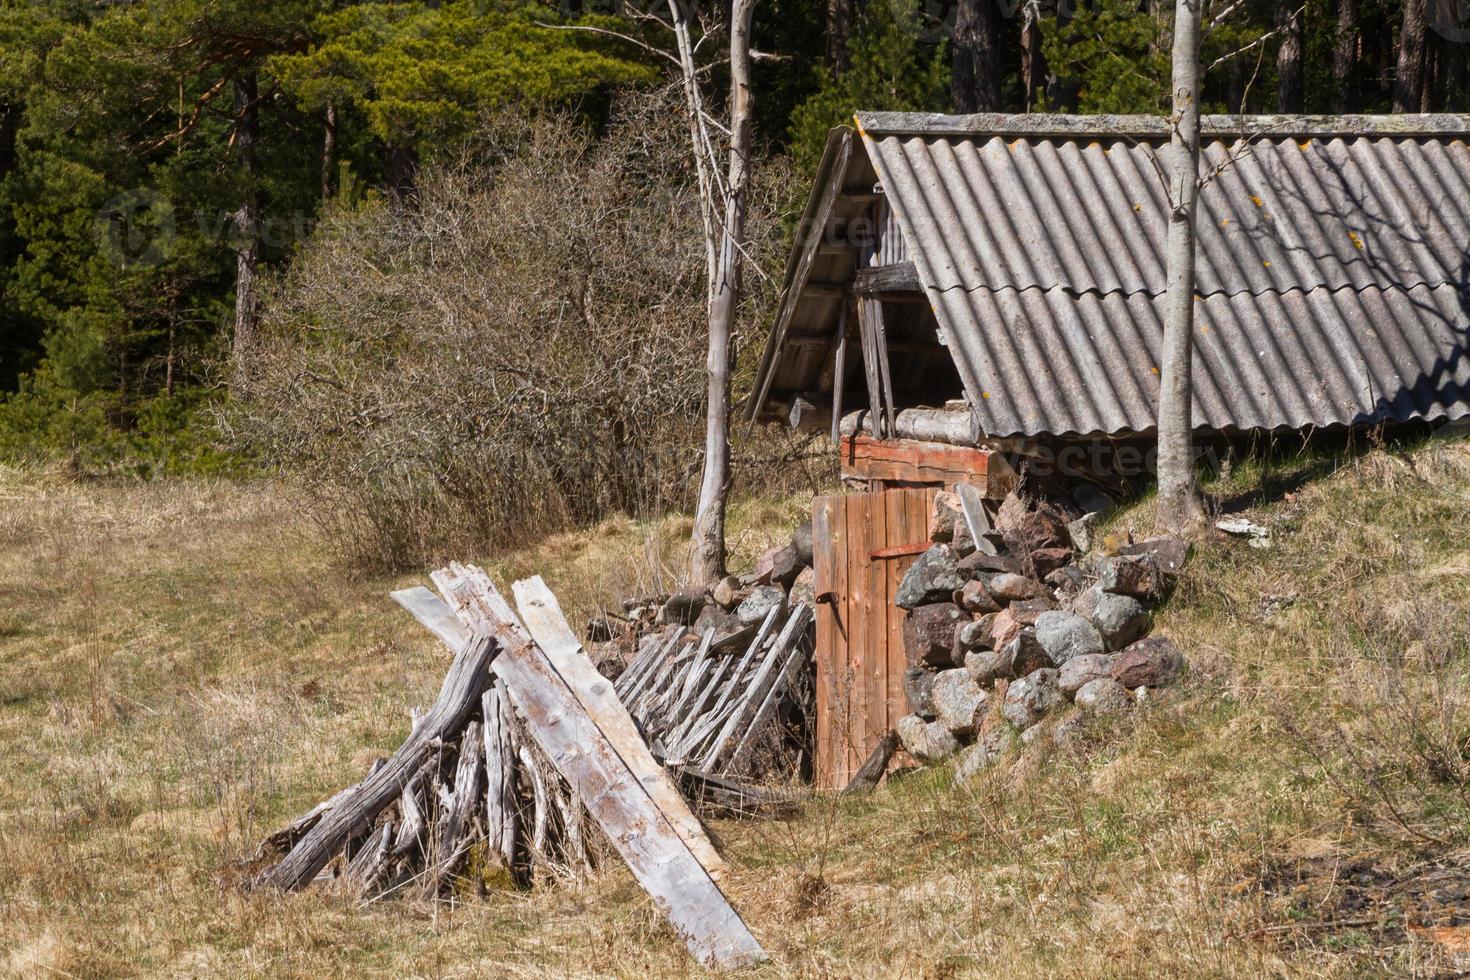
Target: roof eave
[{"x": 1050, "y": 125}]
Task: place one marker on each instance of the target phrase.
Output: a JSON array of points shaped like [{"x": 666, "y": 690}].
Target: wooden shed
[{"x": 966, "y": 291}]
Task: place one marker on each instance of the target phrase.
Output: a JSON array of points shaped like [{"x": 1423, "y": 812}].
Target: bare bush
[{"x": 518, "y": 350}]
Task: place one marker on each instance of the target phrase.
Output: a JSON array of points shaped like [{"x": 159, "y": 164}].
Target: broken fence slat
[
  {"x": 542, "y": 616},
  {"x": 500, "y": 772},
  {"x": 755, "y": 691},
  {"x": 680, "y": 886},
  {"x": 783, "y": 679}
]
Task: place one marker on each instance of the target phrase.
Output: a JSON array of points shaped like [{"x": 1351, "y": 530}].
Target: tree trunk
[
  {"x": 329, "y": 152},
  {"x": 1408, "y": 86},
  {"x": 976, "y": 84},
  {"x": 1345, "y": 56},
  {"x": 707, "y": 563},
  {"x": 1179, "y": 502},
  {"x": 1033, "y": 62},
  {"x": 247, "y": 225},
  {"x": 839, "y": 31},
  {"x": 1291, "y": 87}
]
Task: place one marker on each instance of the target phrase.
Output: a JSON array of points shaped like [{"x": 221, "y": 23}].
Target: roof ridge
[{"x": 1059, "y": 125}]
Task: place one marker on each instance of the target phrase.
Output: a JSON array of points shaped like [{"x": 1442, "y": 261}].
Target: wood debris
[{"x": 528, "y": 766}]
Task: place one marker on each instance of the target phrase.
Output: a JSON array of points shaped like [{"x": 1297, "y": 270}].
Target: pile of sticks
[
  {"x": 706, "y": 712},
  {"x": 524, "y": 761}
]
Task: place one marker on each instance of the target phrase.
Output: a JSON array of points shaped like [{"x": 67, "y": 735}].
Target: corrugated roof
[{"x": 1333, "y": 268}]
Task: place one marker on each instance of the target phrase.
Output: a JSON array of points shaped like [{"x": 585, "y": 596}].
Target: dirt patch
[{"x": 1333, "y": 899}]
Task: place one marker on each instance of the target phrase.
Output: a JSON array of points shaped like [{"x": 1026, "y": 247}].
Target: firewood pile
[{"x": 528, "y": 767}]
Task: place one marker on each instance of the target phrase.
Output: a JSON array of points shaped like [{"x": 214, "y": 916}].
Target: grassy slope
[{"x": 181, "y": 669}]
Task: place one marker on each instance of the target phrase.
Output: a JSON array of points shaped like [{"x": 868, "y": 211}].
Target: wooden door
[{"x": 862, "y": 544}]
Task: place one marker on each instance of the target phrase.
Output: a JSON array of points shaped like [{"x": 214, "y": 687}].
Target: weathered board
[
  {"x": 937, "y": 464},
  {"x": 862, "y": 544},
  {"x": 553, "y": 707}
]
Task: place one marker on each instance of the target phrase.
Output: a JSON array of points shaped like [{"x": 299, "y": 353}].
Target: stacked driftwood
[{"x": 527, "y": 765}]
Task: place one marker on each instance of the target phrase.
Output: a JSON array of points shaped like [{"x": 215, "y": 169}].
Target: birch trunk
[
  {"x": 247, "y": 225},
  {"x": 1179, "y": 502},
  {"x": 707, "y": 561}
]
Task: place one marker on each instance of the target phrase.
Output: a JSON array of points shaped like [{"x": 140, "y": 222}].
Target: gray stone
[
  {"x": 935, "y": 577},
  {"x": 683, "y": 607},
  {"x": 1081, "y": 669},
  {"x": 928, "y": 741},
  {"x": 1045, "y": 561},
  {"x": 918, "y": 688},
  {"x": 1069, "y": 731},
  {"x": 1067, "y": 580},
  {"x": 989, "y": 749},
  {"x": 959, "y": 702},
  {"x": 929, "y": 633},
  {"x": 1083, "y": 532},
  {"x": 1031, "y": 697},
  {"x": 975, "y": 597},
  {"x": 785, "y": 566},
  {"x": 944, "y": 516},
  {"x": 801, "y": 542},
  {"x": 974, "y": 635},
  {"x": 1140, "y": 576},
  {"x": 804, "y": 589},
  {"x": 1065, "y": 635},
  {"x": 1120, "y": 619},
  {"x": 1152, "y": 662},
  {"x": 988, "y": 666},
  {"x": 726, "y": 592},
  {"x": 1170, "y": 553},
  {"x": 1010, "y": 587},
  {"x": 1103, "y": 696},
  {"x": 1026, "y": 654},
  {"x": 980, "y": 563},
  {"x": 762, "y": 599}
]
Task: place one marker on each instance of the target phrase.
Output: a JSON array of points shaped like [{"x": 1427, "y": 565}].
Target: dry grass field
[{"x": 182, "y": 668}]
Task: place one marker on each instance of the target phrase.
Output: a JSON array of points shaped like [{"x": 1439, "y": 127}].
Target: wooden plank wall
[{"x": 859, "y": 560}]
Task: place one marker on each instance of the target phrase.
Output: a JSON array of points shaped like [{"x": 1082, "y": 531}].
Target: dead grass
[{"x": 181, "y": 669}]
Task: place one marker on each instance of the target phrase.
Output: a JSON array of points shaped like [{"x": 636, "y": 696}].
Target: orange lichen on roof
[{"x": 1357, "y": 240}]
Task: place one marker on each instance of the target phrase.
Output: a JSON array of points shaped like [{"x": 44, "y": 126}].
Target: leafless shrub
[{"x": 518, "y": 350}]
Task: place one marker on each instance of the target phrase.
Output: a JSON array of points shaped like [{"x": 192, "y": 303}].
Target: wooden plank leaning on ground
[
  {"x": 543, "y": 617},
  {"x": 681, "y": 887}
]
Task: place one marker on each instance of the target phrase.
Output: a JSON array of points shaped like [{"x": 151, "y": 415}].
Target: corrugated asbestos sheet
[{"x": 1333, "y": 270}]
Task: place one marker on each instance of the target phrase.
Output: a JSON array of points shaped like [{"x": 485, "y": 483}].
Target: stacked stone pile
[{"x": 1028, "y": 622}]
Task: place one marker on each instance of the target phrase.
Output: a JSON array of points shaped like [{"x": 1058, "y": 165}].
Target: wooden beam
[
  {"x": 897, "y": 277},
  {"x": 839, "y": 370},
  {"x": 813, "y": 231},
  {"x": 936, "y": 464}
]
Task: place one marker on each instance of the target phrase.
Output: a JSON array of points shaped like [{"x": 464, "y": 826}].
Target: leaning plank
[
  {"x": 458, "y": 696},
  {"x": 435, "y": 616},
  {"x": 659, "y": 858},
  {"x": 972, "y": 505},
  {"x": 873, "y": 768},
  {"x": 500, "y": 772},
  {"x": 454, "y": 831},
  {"x": 543, "y": 618}
]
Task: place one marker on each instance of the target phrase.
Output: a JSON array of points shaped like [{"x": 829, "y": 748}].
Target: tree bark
[
  {"x": 1408, "y": 86},
  {"x": 1291, "y": 85},
  {"x": 707, "y": 563},
  {"x": 839, "y": 31},
  {"x": 1179, "y": 502},
  {"x": 977, "y": 77},
  {"x": 329, "y": 152},
  {"x": 1033, "y": 62},
  {"x": 1345, "y": 56},
  {"x": 247, "y": 224}
]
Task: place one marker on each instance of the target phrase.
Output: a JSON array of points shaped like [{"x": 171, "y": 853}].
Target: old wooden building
[{"x": 966, "y": 290}]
